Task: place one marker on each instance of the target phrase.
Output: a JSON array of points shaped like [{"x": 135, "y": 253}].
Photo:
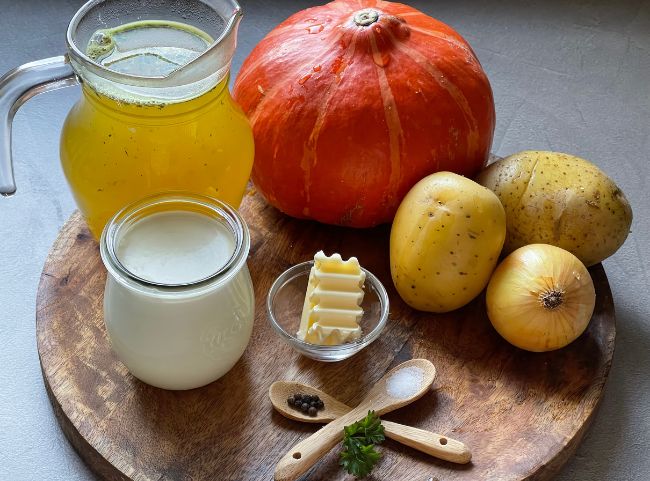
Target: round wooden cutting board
[{"x": 521, "y": 414}]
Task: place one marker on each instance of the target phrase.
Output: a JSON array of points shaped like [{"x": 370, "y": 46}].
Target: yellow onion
[{"x": 540, "y": 298}]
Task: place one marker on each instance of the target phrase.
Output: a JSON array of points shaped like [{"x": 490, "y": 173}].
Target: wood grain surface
[{"x": 521, "y": 414}]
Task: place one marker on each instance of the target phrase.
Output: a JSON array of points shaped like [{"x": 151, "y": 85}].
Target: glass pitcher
[{"x": 146, "y": 122}]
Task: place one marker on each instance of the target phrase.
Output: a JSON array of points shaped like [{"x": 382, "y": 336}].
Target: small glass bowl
[{"x": 284, "y": 305}]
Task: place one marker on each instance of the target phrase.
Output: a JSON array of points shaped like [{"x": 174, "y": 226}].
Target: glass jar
[{"x": 179, "y": 302}]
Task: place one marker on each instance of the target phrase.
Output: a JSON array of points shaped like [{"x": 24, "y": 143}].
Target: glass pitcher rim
[{"x": 79, "y": 57}]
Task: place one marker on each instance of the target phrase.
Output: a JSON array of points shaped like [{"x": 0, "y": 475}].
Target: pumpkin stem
[
  {"x": 552, "y": 298},
  {"x": 364, "y": 18}
]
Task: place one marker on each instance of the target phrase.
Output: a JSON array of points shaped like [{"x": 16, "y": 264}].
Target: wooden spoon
[
  {"x": 430, "y": 443},
  {"x": 307, "y": 452}
]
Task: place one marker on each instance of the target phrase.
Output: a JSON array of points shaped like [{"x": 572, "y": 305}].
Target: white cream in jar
[{"x": 178, "y": 304}]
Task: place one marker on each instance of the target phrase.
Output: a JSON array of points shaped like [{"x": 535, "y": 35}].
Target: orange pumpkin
[{"x": 355, "y": 101}]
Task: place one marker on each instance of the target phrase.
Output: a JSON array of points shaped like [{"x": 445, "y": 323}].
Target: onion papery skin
[
  {"x": 349, "y": 112},
  {"x": 517, "y": 286}
]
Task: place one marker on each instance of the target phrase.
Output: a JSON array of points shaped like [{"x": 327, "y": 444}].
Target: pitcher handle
[{"x": 17, "y": 87}]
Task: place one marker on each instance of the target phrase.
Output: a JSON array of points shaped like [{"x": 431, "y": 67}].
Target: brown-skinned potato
[{"x": 562, "y": 200}]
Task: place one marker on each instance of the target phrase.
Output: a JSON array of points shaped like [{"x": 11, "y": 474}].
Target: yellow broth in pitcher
[{"x": 117, "y": 147}]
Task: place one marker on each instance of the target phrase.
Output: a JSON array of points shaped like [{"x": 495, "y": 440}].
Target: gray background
[{"x": 568, "y": 76}]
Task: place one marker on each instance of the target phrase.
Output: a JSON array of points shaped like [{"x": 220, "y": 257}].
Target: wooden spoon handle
[
  {"x": 430, "y": 443},
  {"x": 308, "y": 451}
]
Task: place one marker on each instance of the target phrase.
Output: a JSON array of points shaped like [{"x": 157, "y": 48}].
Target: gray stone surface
[{"x": 572, "y": 76}]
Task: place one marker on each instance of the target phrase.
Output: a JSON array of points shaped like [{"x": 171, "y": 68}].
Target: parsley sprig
[{"x": 359, "y": 439}]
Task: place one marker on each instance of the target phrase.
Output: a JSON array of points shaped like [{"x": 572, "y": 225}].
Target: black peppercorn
[{"x": 306, "y": 402}]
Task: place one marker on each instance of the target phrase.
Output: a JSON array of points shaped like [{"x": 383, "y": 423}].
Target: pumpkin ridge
[
  {"x": 473, "y": 141},
  {"x": 442, "y": 36},
  {"x": 340, "y": 5},
  {"x": 245, "y": 72},
  {"x": 395, "y": 138},
  {"x": 247, "y": 69},
  {"x": 279, "y": 87},
  {"x": 254, "y": 114},
  {"x": 279, "y": 31},
  {"x": 411, "y": 14},
  {"x": 309, "y": 150}
]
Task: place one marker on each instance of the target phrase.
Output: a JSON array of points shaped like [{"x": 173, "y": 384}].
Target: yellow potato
[
  {"x": 445, "y": 242},
  {"x": 562, "y": 200}
]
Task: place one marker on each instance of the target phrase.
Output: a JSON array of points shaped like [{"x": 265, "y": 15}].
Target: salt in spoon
[
  {"x": 307, "y": 452},
  {"x": 427, "y": 442}
]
